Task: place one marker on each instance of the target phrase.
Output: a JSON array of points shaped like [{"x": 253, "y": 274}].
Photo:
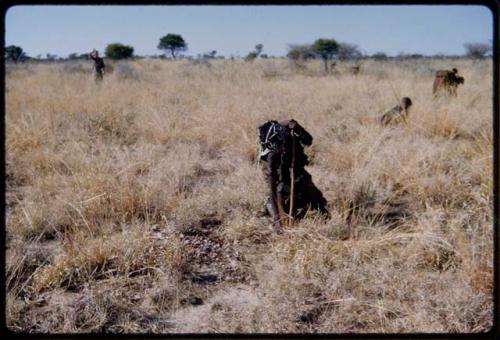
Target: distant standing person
[{"x": 98, "y": 65}]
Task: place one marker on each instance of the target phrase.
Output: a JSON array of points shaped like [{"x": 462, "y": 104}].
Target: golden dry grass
[{"x": 134, "y": 205}]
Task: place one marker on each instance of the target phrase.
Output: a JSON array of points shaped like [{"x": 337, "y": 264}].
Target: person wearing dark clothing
[
  {"x": 98, "y": 65},
  {"x": 282, "y": 157}
]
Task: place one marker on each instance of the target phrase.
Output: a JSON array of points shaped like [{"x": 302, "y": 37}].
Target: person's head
[
  {"x": 406, "y": 103},
  {"x": 94, "y": 54},
  {"x": 304, "y": 137}
]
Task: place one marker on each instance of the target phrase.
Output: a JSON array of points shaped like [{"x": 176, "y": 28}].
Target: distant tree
[
  {"x": 407, "y": 56},
  {"x": 477, "y": 50},
  {"x": 293, "y": 54},
  {"x": 379, "y": 56},
  {"x": 264, "y": 56},
  {"x": 415, "y": 56},
  {"x": 14, "y": 53},
  {"x": 210, "y": 55},
  {"x": 51, "y": 57},
  {"x": 258, "y": 49},
  {"x": 348, "y": 51},
  {"x": 254, "y": 54},
  {"x": 403, "y": 56},
  {"x": 174, "y": 43},
  {"x": 439, "y": 55},
  {"x": 300, "y": 52},
  {"x": 326, "y": 49},
  {"x": 251, "y": 56},
  {"x": 76, "y": 56},
  {"x": 118, "y": 51}
]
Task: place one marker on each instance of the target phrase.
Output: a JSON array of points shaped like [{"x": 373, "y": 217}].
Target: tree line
[{"x": 173, "y": 44}]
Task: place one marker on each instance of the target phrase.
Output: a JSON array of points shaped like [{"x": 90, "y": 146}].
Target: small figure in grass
[
  {"x": 397, "y": 113},
  {"x": 447, "y": 82}
]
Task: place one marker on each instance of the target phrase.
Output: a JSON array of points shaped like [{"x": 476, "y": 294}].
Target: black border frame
[{"x": 493, "y": 333}]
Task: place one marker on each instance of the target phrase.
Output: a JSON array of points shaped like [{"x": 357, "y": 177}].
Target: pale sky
[{"x": 236, "y": 29}]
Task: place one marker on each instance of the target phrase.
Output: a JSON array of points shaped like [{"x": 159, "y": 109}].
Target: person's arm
[{"x": 304, "y": 137}]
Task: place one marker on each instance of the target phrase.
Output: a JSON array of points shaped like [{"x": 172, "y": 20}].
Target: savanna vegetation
[{"x": 135, "y": 204}]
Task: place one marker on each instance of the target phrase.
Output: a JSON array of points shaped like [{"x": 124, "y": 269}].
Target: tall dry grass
[{"x": 135, "y": 205}]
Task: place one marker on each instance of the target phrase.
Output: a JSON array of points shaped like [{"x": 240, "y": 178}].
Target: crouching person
[{"x": 291, "y": 191}]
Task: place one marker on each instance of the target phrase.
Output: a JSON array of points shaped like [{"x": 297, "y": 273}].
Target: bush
[
  {"x": 300, "y": 52},
  {"x": 379, "y": 56},
  {"x": 477, "y": 50},
  {"x": 251, "y": 56},
  {"x": 118, "y": 51},
  {"x": 348, "y": 51},
  {"x": 14, "y": 53}
]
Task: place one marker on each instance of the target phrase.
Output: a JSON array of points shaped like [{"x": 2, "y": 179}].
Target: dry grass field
[{"x": 135, "y": 205}]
